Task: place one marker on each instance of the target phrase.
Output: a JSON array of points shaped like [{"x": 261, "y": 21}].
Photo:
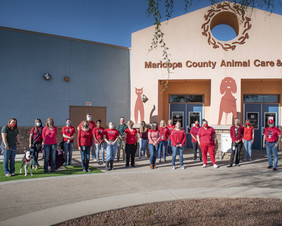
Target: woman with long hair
[
  {"x": 10, "y": 140},
  {"x": 49, "y": 143},
  {"x": 35, "y": 141},
  {"x": 143, "y": 139}
]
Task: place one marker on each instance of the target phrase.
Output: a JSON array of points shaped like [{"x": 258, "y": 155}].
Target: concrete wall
[{"x": 98, "y": 73}]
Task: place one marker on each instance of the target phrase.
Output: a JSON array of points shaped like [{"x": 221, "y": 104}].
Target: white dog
[{"x": 26, "y": 161}]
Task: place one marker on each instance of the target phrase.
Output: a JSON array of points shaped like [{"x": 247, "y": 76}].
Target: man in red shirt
[
  {"x": 236, "y": 134},
  {"x": 272, "y": 135},
  {"x": 195, "y": 144},
  {"x": 170, "y": 127},
  {"x": 92, "y": 125}
]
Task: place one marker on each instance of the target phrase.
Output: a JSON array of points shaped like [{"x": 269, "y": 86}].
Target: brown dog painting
[{"x": 228, "y": 102}]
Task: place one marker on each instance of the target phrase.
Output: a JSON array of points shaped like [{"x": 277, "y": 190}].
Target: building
[
  {"x": 85, "y": 77},
  {"x": 208, "y": 78}
]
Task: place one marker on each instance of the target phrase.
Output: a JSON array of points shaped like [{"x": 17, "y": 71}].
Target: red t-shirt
[
  {"x": 206, "y": 135},
  {"x": 248, "y": 133},
  {"x": 170, "y": 128},
  {"x": 98, "y": 133},
  {"x": 92, "y": 125},
  {"x": 84, "y": 138},
  {"x": 69, "y": 131},
  {"x": 111, "y": 134},
  {"x": 178, "y": 137},
  {"x": 272, "y": 134},
  {"x": 194, "y": 132},
  {"x": 130, "y": 136},
  {"x": 49, "y": 136},
  {"x": 164, "y": 132},
  {"x": 37, "y": 135}
]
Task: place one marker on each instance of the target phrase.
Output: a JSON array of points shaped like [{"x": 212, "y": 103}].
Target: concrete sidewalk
[{"x": 48, "y": 201}]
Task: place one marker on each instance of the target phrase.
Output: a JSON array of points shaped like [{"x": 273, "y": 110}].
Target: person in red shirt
[
  {"x": 248, "y": 139},
  {"x": 236, "y": 134},
  {"x": 98, "y": 134},
  {"x": 206, "y": 140},
  {"x": 154, "y": 140},
  {"x": 195, "y": 144},
  {"x": 92, "y": 125},
  {"x": 164, "y": 132},
  {"x": 143, "y": 139},
  {"x": 68, "y": 133},
  {"x": 84, "y": 143},
  {"x": 130, "y": 135},
  {"x": 178, "y": 140},
  {"x": 49, "y": 135},
  {"x": 111, "y": 136},
  {"x": 170, "y": 127},
  {"x": 35, "y": 141},
  {"x": 272, "y": 135}
]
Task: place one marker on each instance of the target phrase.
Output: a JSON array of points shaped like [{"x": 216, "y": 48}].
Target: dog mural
[
  {"x": 139, "y": 105},
  {"x": 228, "y": 87}
]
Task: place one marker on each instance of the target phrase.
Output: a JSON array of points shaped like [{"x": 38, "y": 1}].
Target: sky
[{"x": 106, "y": 21}]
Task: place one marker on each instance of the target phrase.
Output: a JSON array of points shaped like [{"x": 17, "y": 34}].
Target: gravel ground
[{"x": 240, "y": 211}]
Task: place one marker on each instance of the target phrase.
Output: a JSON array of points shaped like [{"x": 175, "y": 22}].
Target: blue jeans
[
  {"x": 85, "y": 157},
  {"x": 174, "y": 153},
  {"x": 153, "y": 153},
  {"x": 142, "y": 146},
  {"x": 93, "y": 150},
  {"x": 248, "y": 149},
  {"x": 68, "y": 149},
  {"x": 111, "y": 152},
  {"x": 169, "y": 147},
  {"x": 270, "y": 149},
  {"x": 98, "y": 148},
  {"x": 9, "y": 155},
  {"x": 162, "y": 146},
  {"x": 50, "y": 151}
]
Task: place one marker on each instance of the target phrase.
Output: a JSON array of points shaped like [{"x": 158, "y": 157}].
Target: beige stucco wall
[{"x": 183, "y": 36}]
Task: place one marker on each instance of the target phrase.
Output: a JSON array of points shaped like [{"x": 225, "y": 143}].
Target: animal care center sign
[{"x": 213, "y": 64}]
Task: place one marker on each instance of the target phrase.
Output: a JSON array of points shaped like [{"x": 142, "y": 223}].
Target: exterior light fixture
[
  {"x": 144, "y": 98},
  {"x": 47, "y": 76}
]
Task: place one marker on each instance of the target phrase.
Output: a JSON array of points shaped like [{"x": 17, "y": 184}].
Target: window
[
  {"x": 260, "y": 98},
  {"x": 186, "y": 98}
]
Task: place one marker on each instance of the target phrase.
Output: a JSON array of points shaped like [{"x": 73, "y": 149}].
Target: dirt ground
[{"x": 240, "y": 211}]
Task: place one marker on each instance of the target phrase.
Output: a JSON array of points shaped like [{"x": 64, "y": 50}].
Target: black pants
[
  {"x": 196, "y": 147},
  {"x": 235, "y": 152},
  {"x": 130, "y": 150}
]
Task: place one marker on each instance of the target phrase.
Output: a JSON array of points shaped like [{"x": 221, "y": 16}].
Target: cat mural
[{"x": 139, "y": 105}]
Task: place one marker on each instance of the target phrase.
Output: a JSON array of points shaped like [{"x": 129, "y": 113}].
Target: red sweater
[
  {"x": 49, "y": 136},
  {"x": 164, "y": 133},
  {"x": 178, "y": 137},
  {"x": 84, "y": 138},
  {"x": 170, "y": 129},
  {"x": 240, "y": 133},
  {"x": 154, "y": 136}
]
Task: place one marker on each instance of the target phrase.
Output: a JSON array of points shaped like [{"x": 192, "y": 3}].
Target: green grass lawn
[{"x": 64, "y": 170}]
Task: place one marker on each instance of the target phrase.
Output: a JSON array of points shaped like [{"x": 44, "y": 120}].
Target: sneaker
[
  {"x": 173, "y": 167},
  {"x": 204, "y": 166},
  {"x": 269, "y": 167},
  {"x": 215, "y": 166},
  {"x": 12, "y": 174},
  {"x": 182, "y": 167},
  {"x": 229, "y": 166},
  {"x": 89, "y": 170},
  {"x": 274, "y": 169},
  {"x": 84, "y": 171},
  {"x": 8, "y": 175}
]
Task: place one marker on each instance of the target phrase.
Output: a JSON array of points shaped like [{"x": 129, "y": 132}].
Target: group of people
[{"x": 122, "y": 139}]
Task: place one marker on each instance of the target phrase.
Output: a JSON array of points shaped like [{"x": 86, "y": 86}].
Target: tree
[{"x": 156, "y": 7}]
